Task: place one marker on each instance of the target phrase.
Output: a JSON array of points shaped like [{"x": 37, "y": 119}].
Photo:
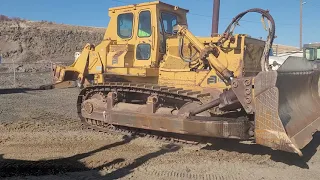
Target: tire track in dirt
[
  {"x": 184, "y": 169},
  {"x": 195, "y": 176}
]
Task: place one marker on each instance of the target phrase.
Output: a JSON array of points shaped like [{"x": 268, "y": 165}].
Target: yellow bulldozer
[{"x": 151, "y": 75}]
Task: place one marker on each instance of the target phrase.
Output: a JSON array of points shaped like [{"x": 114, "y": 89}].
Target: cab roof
[
  {"x": 148, "y": 4},
  {"x": 312, "y": 45}
]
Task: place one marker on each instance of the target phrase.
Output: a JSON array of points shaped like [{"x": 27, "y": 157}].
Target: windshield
[
  {"x": 168, "y": 21},
  {"x": 310, "y": 54}
]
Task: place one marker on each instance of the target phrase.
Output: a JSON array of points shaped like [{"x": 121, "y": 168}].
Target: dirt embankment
[
  {"x": 34, "y": 45},
  {"x": 27, "y": 41}
]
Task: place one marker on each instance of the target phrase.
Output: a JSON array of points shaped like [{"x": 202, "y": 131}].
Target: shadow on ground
[
  {"x": 12, "y": 167},
  {"x": 277, "y": 156},
  {"x": 122, "y": 172},
  {"x": 17, "y": 90},
  {"x": 27, "y": 89}
]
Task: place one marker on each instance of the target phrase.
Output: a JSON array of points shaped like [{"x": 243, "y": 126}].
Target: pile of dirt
[{"x": 29, "y": 41}]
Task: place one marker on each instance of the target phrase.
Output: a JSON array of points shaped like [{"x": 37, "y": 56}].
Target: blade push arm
[{"x": 210, "y": 54}]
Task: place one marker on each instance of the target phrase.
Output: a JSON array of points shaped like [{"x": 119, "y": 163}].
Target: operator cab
[
  {"x": 312, "y": 51},
  {"x": 140, "y": 31}
]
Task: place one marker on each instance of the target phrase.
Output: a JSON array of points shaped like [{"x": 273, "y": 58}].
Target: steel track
[{"x": 161, "y": 91}]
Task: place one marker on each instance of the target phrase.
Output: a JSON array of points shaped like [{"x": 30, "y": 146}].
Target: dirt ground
[{"x": 41, "y": 138}]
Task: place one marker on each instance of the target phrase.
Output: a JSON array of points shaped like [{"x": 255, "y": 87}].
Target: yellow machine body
[
  {"x": 118, "y": 56},
  {"x": 149, "y": 43}
]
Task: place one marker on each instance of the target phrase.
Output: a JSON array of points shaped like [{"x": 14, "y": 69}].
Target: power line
[
  {"x": 208, "y": 16},
  {"x": 313, "y": 4},
  {"x": 124, "y": 2},
  {"x": 258, "y": 22}
]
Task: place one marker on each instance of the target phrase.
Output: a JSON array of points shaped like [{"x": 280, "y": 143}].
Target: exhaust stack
[{"x": 215, "y": 18}]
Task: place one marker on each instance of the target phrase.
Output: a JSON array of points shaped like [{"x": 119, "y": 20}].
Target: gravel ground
[
  {"x": 25, "y": 80},
  {"x": 41, "y": 138}
]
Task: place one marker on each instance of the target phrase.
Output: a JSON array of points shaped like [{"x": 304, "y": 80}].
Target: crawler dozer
[{"x": 151, "y": 75}]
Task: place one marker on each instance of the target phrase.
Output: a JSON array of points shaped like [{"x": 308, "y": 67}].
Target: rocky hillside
[
  {"x": 28, "y": 41},
  {"x": 284, "y": 48}
]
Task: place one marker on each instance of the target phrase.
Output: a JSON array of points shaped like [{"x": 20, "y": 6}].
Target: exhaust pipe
[{"x": 215, "y": 18}]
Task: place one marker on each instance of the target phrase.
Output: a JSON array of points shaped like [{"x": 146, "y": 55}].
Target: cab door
[{"x": 145, "y": 51}]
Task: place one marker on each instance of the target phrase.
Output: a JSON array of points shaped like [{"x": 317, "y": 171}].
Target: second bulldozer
[{"x": 150, "y": 74}]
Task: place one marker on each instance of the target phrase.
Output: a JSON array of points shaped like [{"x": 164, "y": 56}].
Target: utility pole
[
  {"x": 301, "y": 12},
  {"x": 215, "y": 18},
  {"x": 301, "y": 7}
]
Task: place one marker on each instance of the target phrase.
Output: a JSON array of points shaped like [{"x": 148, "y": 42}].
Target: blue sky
[{"x": 95, "y": 13}]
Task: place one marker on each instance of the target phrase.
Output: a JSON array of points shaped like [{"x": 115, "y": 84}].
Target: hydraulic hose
[
  {"x": 265, "y": 14},
  {"x": 185, "y": 59}
]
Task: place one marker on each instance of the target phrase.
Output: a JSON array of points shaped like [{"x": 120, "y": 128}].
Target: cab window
[
  {"x": 144, "y": 24},
  {"x": 168, "y": 21},
  {"x": 143, "y": 51},
  {"x": 310, "y": 54},
  {"x": 125, "y": 23}
]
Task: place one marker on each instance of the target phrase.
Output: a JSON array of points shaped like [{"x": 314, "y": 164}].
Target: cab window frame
[
  {"x": 142, "y": 11},
  {"x": 162, "y": 23},
  {"x": 132, "y": 26},
  {"x": 310, "y": 54},
  {"x": 162, "y": 29},
  {"x": 150, "y": 51}
]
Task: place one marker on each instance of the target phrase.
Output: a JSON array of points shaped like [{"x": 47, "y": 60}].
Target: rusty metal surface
[
  {"x": 251, "y": 57},
  {"x": 191, "y": 107},
  {"x": 287, "y": 109},
  {"x": 299, "y": 108},
  {"x": 242, "y": 87},
  {"x": 194, "y": 110},
  {"x": 297, "y": 64},
  {"x": 143, "y": 117},
  {"x": 269, "y": 130},
  {"x": 231, "y": 128}
]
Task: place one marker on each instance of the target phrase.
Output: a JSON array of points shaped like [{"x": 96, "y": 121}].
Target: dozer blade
[
  {"x": 61, "y": 79},
  {"x": 287, "y": 105}
]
